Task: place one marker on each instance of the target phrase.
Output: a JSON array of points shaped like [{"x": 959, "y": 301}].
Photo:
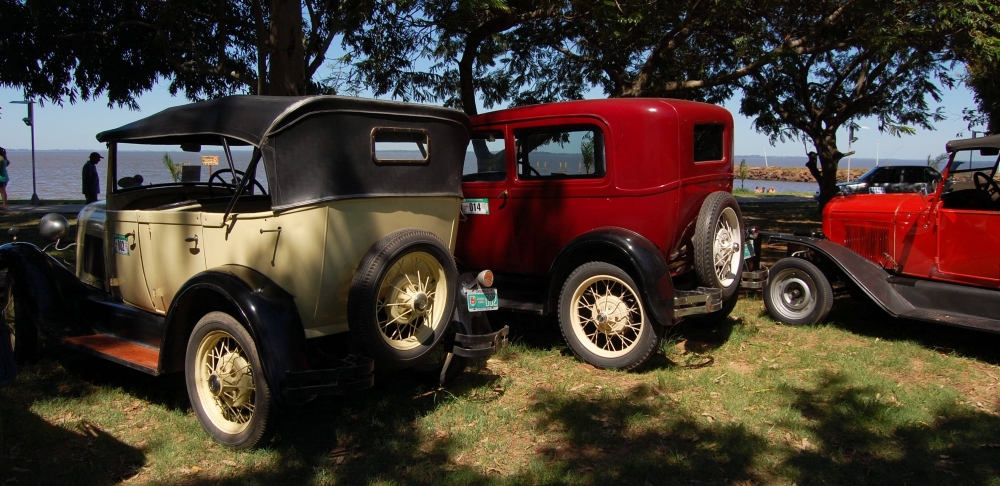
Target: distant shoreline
[{"x": 792, "y": 174}]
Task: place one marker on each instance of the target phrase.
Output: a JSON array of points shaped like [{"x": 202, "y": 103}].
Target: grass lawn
[{"x": 862, "y": 399}]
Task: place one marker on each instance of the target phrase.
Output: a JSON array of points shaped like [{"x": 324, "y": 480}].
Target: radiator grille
[{"x": 870, "y": 240}]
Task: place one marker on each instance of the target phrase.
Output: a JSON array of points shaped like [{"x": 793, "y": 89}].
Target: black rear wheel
[
  {"x": 797, "y": 292},
  {"x": 23, "y": 333}
]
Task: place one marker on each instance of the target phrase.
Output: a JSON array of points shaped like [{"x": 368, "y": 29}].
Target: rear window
[{"x": 708, "y": 142}]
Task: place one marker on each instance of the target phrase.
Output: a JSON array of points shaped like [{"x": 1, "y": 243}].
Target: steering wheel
[
  {"x": 986, "y": 184},
  {"x": 231, "y": 185}
]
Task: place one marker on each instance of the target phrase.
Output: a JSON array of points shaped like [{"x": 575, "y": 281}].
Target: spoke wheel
[
  {"x": 402, "y": 297},
  {"x": 411, "y": 300},
  {"x": 797, "y": 292},
  {"x": 225, "y": 383},
  {"x": 718, "y": 243},
  {"x": 602, "y": 317}
]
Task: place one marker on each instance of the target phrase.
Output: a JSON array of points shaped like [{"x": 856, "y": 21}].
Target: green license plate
[
  {"x": 748, "y": 251},
  {"x": 483, "y": 300}
]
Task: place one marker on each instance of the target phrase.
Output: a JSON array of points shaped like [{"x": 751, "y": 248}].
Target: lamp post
[
  {"x": 850, "y": 141},
  {"x": 30, "y": 121}
]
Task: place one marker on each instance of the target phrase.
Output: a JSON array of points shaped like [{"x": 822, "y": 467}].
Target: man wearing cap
[{"x": 91, "y": 181}]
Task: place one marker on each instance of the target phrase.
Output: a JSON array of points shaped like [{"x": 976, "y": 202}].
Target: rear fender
[
  {"x": 636, "y": 255},
  {"x": 267, "y": 310},
  {"x": 872, "y": 279}
]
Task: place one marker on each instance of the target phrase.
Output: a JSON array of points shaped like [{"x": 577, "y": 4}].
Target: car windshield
[
  {"x": 966, "y": 164},
  {"x": 168, "y": 164}
]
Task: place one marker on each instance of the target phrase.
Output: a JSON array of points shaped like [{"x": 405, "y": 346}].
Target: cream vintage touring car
[{"x": 341, "y": 217}]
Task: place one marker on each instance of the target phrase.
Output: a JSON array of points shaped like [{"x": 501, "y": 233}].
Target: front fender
[
  {"x": 872, "y": 279},
  {"x": 49, "y": 290},
  {"x": 619, "y": 246},
  {"x": 268, "y": 311}
]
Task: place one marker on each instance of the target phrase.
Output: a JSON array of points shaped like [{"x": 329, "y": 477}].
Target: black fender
[
  {"x": 49, "y": 290},
  {"x": 268, "y": 311},
  {"x": 871, "y": 278},
  {"x": 627, "y": 249}
]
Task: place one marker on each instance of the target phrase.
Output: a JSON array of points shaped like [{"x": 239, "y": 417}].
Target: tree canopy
[{"x": 804, "y": 68}]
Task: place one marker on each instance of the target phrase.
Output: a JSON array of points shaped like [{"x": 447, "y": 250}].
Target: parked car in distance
[
  {"x": 331, "y": 236},
  {"x": 893, "y": 178},
  {"x": 924, "y": 256},
  {"x": 617, "y": 215}
]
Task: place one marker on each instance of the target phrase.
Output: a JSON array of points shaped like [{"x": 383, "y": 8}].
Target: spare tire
[
  {"x": 402, "y": 297},
  {"x": 718, "y": 243}
]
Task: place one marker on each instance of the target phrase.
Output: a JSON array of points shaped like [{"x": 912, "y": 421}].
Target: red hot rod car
[
  {"x": 616, "y": 214},
  {"x": 931, "y": 256}
]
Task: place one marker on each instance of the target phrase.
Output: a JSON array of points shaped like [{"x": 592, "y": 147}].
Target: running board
[
  {"x": 954, "y": 319},
  {"x": 135, "y": 356}
]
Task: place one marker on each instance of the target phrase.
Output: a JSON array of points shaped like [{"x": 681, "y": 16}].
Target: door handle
[
  {"x": 503, "y": 194},
  {"x": 193, "y": 239}
]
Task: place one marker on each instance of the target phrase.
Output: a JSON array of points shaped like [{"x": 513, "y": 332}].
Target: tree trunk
[
  {"x": 260, "y": 29},
  {"x": 287, "y": 54},
  {"x": 823, "y": 166}
]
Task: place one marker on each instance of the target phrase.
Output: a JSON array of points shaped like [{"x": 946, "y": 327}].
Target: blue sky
[{"x": 71, "y": 127}]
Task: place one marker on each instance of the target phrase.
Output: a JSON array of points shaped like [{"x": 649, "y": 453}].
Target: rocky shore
[{"x": 791, "y": 174}]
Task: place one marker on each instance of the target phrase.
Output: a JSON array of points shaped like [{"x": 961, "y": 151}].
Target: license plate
[
  {"x": 476, "y": 206},
  {"x": 121, "y": 244},
  {"x": 483, "y": 300},
  {"x": 748, "y": 250}
]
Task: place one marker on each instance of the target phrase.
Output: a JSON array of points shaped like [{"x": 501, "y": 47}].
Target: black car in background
[{"x": 893, "y": 178}]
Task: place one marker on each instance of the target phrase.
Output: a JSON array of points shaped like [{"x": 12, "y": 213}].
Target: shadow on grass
[
  {"x": 865, "y": 318},
  {"x": 638, "y": 437},
  {"x": 34, "y": 451},
  {"x": 863, "y": 438}
]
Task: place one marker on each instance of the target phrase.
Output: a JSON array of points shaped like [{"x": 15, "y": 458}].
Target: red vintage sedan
[
  {"x": 932, "y": 256},
  {"x": 616, "y": 214}
]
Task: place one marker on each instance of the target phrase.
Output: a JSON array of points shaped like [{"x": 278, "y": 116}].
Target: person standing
[
  {"x": 3, "y": 176},
  {"x": 91, "y": 181}
]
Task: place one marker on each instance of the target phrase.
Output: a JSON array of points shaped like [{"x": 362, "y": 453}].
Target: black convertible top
[
  {"x": 320, "y": 148},
  {"x": 990, "y": 141}
]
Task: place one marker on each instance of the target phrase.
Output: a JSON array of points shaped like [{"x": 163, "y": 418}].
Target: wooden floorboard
[{"x": 134, "y": 355}]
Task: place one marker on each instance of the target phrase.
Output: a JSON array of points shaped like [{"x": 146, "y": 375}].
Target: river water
[
  {"x": 58, "y": 172},
  {"x": 779, "y": 186}
]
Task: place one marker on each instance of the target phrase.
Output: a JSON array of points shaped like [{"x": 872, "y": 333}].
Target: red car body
[
  {"x": 661, "y": 161},
  {"x": 932, "y": 255},
  {"x": 652, "y": 186}
]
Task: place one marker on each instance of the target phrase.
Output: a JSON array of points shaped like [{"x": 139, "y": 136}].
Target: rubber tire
[
  {"x": 263, "y": 423},
  {"x": 24, "y": 334},
  {"x": 362, "y": 299},
  {"x": 649, "y": 334},
  {"x": 704, "y": 241},
  {"x": 793, "y": 271}
]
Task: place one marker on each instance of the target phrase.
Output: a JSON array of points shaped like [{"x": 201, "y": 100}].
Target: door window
[
  {"x": 560, "y": 153},
  {"x": 486, "y": 158}
]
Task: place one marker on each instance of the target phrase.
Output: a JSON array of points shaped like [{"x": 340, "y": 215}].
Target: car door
[
  {"x": 559, "y": 188},
  {"x": 125, "y": 258},
  {"x": 172, "y": 252},
  {"x": 968, "y": 246},
  {"x": 484, "y": 230}
]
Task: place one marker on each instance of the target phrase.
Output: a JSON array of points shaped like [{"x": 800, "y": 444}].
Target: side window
[
  {"x": 708, "y": 142},
  {"x": 485, "y": 159},
  {"x": 560, "y": 153},
  {"x": 884, "y": 176}
]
